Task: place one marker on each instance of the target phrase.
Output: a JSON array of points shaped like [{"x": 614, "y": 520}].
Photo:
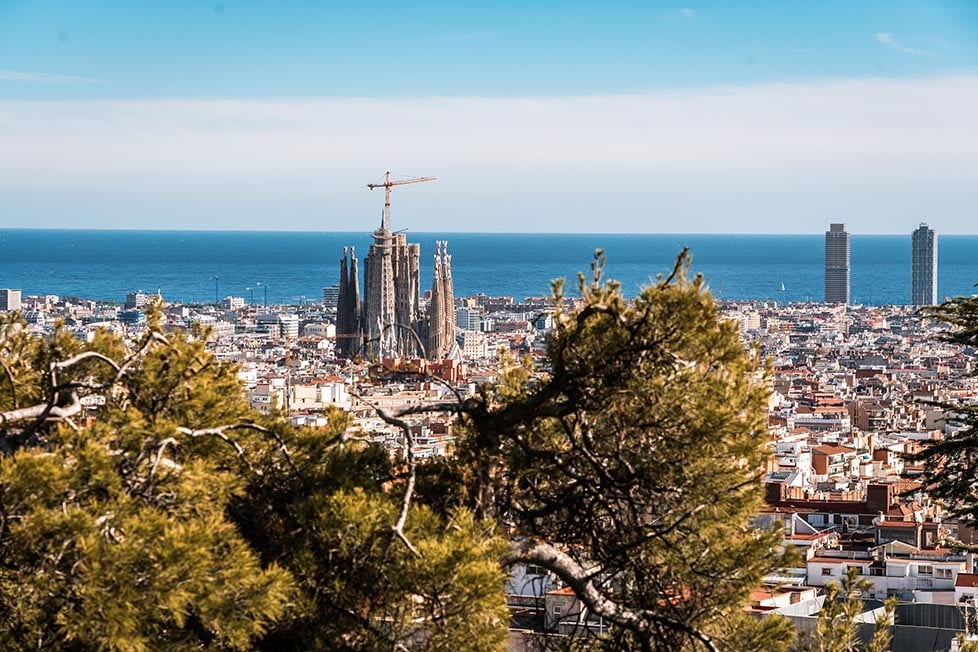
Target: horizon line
[{"x": 367, "y": 232}]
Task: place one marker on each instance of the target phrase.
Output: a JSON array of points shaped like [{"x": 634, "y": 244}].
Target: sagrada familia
[{"x": 390, "y": 322}]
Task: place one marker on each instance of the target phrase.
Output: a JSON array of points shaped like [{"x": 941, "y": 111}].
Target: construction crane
[{"x": 387, "y": 185}]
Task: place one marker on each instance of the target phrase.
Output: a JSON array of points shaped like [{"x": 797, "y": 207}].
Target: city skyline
[{"x": 720, "y": 117}]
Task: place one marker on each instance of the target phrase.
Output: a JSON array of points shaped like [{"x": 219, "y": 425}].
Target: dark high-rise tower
[
  {"x": 923, "y": 267},
  {"x": 837, "y": 264}
]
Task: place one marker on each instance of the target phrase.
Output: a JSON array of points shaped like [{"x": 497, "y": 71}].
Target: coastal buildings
[
  {"x": 923, "y": 267},
  {"x": 136, "y": 300},
  {"x": 469, "y": 318},
  {"x": 837, "y": 264},
  {"x": 331, "y": 298},
  {"x": 9, "y": 299}
]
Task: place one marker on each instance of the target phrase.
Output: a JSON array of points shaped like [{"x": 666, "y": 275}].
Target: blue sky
[{"x": 577, "y": 116}]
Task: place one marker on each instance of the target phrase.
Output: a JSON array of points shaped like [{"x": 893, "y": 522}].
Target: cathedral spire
[
  {"x": 441, "y": 310},
  {"x": 348, "y": 306}
]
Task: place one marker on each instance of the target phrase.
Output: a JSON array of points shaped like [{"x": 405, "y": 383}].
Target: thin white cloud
[
  {"x": 769, "y": 158},
  {"x": 887, "y": 39},
  {"x": 42, "y": 77},
  {"x": 688, "y": 12}
]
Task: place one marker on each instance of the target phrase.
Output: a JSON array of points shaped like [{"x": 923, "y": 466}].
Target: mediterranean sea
[{"x": 293, "y": 267}]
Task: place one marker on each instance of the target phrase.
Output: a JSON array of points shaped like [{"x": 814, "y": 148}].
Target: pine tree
[
  {"x": 329, "y": 515},
  {"x": 114, "y": 534},
  {"x": 950, "y": 465},
  {"x": 631, "y": 469},
  {"x": 173, "y": 517}
]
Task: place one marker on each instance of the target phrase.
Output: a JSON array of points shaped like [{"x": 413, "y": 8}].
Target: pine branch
[
  {"x": 219, "y": 432},
  {"x": 405, "y": 427},
  {"x": 639, "y": 621},
  {"x": 42, "y": 411}
]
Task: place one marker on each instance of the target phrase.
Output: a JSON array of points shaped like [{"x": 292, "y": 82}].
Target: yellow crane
[{"x": 387, "y": 184}]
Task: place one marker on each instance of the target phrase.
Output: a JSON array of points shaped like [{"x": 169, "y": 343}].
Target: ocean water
[{"x": 293, "y": 267}]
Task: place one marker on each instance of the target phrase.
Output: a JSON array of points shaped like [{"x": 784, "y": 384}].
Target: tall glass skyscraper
[
  {"x": 837, "y": 264},
  {"x": 923, "y": 267}
]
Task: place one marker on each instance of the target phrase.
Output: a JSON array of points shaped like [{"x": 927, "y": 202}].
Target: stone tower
[
  {"x": 348, "y": 311},
  {"x": 391, "y": 304},
  {"x": 441, "y": 311}
]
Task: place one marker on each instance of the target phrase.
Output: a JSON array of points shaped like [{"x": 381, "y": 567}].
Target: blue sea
[{"x": 293, "y": 267}]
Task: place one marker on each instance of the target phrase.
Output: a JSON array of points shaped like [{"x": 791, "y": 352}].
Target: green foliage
[
  {"x": 951, "y": 464},
  {"x": 966, "y": 645},
  {"x": 641, "y": 453},
  {"x": 329, "y": 521},
  {"x": 177, "y": 520},
  {"x": 961, "y": 314},
  {"x": 114, "y": 536}
]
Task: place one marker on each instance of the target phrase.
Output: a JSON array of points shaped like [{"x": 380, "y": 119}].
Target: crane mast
[{"x": 387, "y": 185}]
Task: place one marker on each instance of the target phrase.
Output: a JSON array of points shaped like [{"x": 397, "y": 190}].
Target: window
[
  {"x": 558, "y": 611},
  {"x": 535, "y": 570},
  {"x": 826, "y": 571},
  {"x": 943, "y": 573},
  {"x": 925, "y": 569}
]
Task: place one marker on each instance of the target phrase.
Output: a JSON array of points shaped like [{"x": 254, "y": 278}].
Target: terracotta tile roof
[
  {"x": 969, "y": 580},
  {"x": 840, "y": 560},
  {"x": 829, "y": 449},
  {"x": 566, "y": 590}
]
